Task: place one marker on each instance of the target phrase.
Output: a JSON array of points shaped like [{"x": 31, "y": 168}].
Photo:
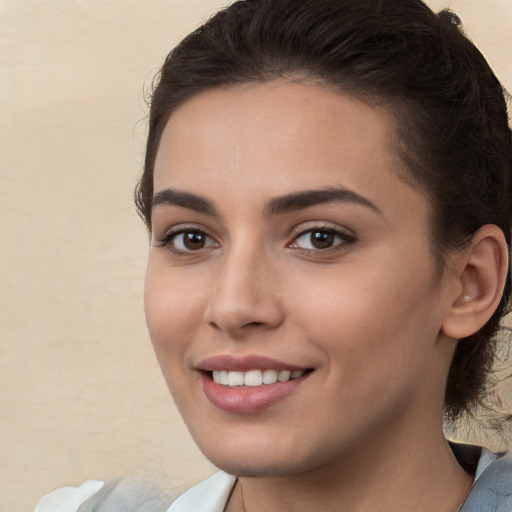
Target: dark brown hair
[{"x": 450, "y": 111}]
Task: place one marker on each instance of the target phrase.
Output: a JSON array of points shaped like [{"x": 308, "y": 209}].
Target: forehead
[
  {"x": 282, "y": 120},
  {"x": 268, "y": 139}
]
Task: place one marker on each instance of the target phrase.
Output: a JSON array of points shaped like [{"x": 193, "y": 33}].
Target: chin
[
  {"x": 257, "y": 469},
  {"x": 261, "y": 458}
]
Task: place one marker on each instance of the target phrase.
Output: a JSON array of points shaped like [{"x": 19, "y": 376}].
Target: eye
[
  {"x": 188, "y": 240},
  {"x": 320, "y": 239}
]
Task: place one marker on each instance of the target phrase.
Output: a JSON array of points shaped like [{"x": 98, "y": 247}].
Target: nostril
[{"x": 237, "y": 318}]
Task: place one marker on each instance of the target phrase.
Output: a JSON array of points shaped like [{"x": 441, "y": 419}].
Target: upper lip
[{"x": 245, "y": 363}]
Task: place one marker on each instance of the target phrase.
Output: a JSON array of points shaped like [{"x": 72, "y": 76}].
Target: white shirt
[{"x": 210, "y": 495}]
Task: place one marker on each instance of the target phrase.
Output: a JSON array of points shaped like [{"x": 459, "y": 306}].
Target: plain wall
[{"x": 81, "y": 393}]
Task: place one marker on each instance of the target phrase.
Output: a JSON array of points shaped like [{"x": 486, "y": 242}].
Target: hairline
[{"x": 394, "y": 108}]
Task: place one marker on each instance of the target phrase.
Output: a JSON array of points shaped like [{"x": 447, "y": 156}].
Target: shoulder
[
  {"x": 492, "y": 490},
  {"x": 127, "y": 494},
  {"x": 135, "y": 494},
  {"x": 68, "y": 499}
]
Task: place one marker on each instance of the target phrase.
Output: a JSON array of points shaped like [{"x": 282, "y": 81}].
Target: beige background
[{"x": 81, "y": 394}]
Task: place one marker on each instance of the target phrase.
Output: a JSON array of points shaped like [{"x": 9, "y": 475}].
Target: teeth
[
  {"x": 235, "y": 379},
  {"x": 270, "y": 376},
  {"x": 254, "y": 377},
  {"x": 284, "y": 375}
]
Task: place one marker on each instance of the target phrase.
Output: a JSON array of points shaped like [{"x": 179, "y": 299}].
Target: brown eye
[
  {"x": 189, "y": 240},
  {"x": 194, "y": 240},
  {"x": 321, "y": 239}
]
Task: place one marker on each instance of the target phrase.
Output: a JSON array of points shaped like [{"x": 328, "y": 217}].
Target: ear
[{"x": 481, "y": 270}]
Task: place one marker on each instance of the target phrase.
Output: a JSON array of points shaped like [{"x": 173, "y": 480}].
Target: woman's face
[{"x": 285, "y": 246}]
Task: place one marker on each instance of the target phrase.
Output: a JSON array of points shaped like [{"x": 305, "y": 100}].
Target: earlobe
[{"x": 482, "y": 270}]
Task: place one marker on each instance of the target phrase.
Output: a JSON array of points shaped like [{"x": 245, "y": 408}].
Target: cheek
[
  {"x": 370, "y": 314},
  {"x": 172, "y": 309}
]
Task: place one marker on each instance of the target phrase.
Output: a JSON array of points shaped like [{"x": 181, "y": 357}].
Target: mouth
[
  {"x": 254, "y": 378},
  {"x": 249, "y": 384}
]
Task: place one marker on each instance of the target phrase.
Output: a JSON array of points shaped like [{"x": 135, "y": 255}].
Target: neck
[{"x": 414, "y": 474}]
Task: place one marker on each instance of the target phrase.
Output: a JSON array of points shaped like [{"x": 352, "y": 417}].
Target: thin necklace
[
  {"x": 458, "y": 509},
  {"x": 242, "y": 496}
]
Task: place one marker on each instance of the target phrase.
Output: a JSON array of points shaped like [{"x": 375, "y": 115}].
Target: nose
[{"x": 245, "y": 295}]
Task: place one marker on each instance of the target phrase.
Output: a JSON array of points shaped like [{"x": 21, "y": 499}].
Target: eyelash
[
  {"x": 343, "y": 239},
  {"x": 171, "y": 236}
]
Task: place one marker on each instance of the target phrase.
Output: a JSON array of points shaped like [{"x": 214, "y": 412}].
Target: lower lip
[{"x": 248, "y": 399}]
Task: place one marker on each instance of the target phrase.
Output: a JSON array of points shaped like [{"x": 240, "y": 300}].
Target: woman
[{"x": 328, "y": 192}]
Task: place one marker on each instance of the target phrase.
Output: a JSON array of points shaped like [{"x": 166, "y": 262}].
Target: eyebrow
[
  {"x": 172, "y": 197},
  {"x": 308, "y": 198},
  {"x": 276, "y": 206}
]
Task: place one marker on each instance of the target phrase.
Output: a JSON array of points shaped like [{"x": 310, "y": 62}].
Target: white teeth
[
  {"x": 254, "y": 377},
  {"x": 235, "y": 379},
  {"x": 284, "y": 375},
  {"x": 270, "y": 376},
  {"x": 220, "y": 377}
]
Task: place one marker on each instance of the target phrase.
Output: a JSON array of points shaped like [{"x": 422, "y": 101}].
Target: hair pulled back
[{"x": 453, "y": 136}]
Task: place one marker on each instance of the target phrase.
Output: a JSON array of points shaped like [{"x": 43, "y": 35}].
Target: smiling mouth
[
  {"x": 253, "y": 378},
  {"x": 251, "y": 385}
]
